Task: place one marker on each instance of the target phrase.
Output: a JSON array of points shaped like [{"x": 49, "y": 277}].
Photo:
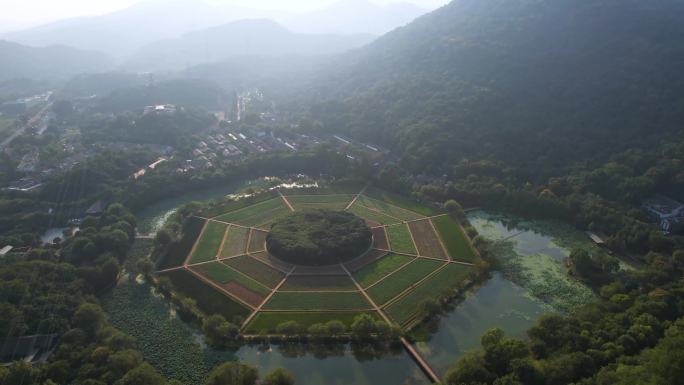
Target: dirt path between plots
[
  {"x": 287, "y": 202},
  {"x": 268, "y": 297}
]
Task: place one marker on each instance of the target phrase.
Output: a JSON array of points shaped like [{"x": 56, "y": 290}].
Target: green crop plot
[
  {"x": 372, "y": 215},
  {"x": 257, "y": 241},
  {"x": 227, "y": 205},
  {"x": 256, "y": 269},
  {"x": 332, "y": 202},
  {"x": 318, "y": 282},
  {"x": 449, "y": 278},
  {"x": 264, "y": 219},
  {"x": 209, "y": 300},
  {"x": 454, "y": 239},
  {"x": 389, "y": 209},
  {"x": 217, "y": 271},
  {"x": 249, "y": 213},
  {"x": 336, "y": 189},
  {"x": 268, "y": 321},
  {"x": 208, "y": 244},
  {"x": 400, "y": 239},
  {"x": 236, "y": 242},
  {"x": 317, "y": 301},
  {"x": 400, "y": 201},
  {"x": 374, "y": 271},
  {"x": 401, "y": 280}
]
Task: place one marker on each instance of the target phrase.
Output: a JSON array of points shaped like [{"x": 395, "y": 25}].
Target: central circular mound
[{"x": 319, "y": 237}]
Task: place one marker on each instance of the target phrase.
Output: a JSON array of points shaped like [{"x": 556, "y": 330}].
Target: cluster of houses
[{"x": 226, "y": 146}]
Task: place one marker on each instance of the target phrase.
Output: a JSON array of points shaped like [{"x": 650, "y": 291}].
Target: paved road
[{"x": 39, "y": 115}]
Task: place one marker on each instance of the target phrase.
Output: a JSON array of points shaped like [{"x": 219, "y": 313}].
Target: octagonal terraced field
[{"x": 417, "y": 254}]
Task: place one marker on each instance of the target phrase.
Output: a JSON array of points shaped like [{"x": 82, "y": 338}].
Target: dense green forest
[
  {"x": 537, "y": 84},
  {"x": 173, "y": 129},
  {"x": 132, "y": 95}
]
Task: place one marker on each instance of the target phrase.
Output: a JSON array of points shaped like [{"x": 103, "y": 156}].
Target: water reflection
[
  {"x": 337, "y": 364},
  {"x": 497, "y": 303}
]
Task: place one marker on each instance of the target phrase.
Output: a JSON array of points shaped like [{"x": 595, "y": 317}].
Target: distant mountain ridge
[
  {"x": 48, "y": 63},
  {"x": 259, "y": 37},
  {"x": 121, "y": 33},
  {"x": 124, "y": 32}
]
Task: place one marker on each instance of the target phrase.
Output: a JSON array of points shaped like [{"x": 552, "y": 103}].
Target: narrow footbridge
[{"x": 424, "y": 366}]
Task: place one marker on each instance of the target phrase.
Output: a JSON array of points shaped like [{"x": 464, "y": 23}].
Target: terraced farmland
[{"x": 229, "y": 271}]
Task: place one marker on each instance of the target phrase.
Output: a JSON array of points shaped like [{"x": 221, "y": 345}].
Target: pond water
[
  {"x": 497, "y": 303},
  {"x": 345, "y": 367},
  {"x": 532, "y": 281}
]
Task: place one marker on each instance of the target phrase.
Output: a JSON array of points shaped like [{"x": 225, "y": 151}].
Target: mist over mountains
[
  {"x": 241, "y": 38},
  {"x": 56, "y": 61},
  {"x": 124, "y": 32}
]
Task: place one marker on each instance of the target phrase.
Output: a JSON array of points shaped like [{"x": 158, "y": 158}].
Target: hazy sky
[{"x": 23, "y": 13}]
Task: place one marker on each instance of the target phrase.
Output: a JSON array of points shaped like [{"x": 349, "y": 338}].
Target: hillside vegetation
[{"x": 531, "y": 82}]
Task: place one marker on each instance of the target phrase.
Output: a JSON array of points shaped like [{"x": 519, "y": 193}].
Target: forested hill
[
  {"x": 525, "y": 81},
  {"x": 48, "y": 63},
  {"x": 239, "y": 38}
]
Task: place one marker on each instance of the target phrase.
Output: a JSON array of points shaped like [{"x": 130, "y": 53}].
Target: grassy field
[
  {"x": 257, "y": 242},
  {"x": 391, "y": 286},
  {"x": 400, "y": 239},
  {"x": 234, "y": 205},
  {"x": 236, "y": 242},
  {"x": 257, "y": 270},
  {"x": 332, "y": 202},
  {"x": 177, "y": 253},
  {"x": 374, "y": 216},
  {"x": 454, "y": 239},
  {"x": 427, "y": 241},
  {"x": 244, "y": 214},
  {"x": 268, "y": 321},
  {"x": 337, "y": 189},
  {"x": 372, "y": 272},
  {"x": 217, "y": 271},
  {"x": 317, "y": 301},
  {"x": 317, "y": 282},
  {"x": 264, "y": 219},
  {"x": 389, "y": 209},
  {"x": 208, "y": 245},
  {"x": 209, "y": 300},
  {"x": 448, "y": 278},
  {"x": 399, "y": 200}
]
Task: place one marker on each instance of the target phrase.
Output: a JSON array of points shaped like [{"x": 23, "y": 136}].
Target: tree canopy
[{"x": 319, "y": 237}]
